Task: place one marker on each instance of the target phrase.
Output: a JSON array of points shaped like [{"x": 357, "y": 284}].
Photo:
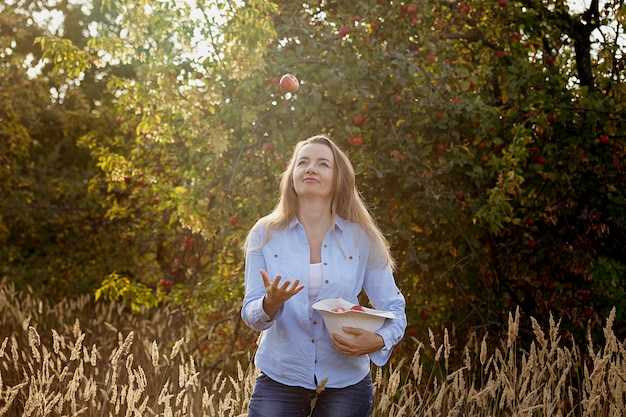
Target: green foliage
[
  {"x": 64, "y": 55},
  {"x": 609, "y": 283},
  {"x": 117, "y": 287}
]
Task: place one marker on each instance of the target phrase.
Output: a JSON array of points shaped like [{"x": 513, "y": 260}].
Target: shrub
[{"x": 74, "y": 358}]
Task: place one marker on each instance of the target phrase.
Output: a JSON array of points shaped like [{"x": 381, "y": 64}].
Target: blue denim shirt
[{"x": 295, "y": 346}]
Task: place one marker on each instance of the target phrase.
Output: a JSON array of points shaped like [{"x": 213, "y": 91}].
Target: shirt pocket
[
  {"x": 280, "y": 261},
  {"x": 349, "y": 279}
]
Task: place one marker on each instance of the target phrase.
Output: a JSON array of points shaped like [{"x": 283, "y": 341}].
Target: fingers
[
  {"x": 266, "y": 280},
  {"x": 275, "y": 283},
  {"x": 292, "y": 288},
  {"x": 343, "y": 346},
  {"x": 284, "y": 291},
  {"x": 341, "y": 341},
  {"x": 295, "y": 289},
  {"x": 352, "y": 330}
]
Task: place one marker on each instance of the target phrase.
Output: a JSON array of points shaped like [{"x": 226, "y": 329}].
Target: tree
[{"x": 488, "y": 141}]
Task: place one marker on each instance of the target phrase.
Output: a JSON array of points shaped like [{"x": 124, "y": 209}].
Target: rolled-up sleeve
[
  {"x": 252, "y": 311},
  {"x": 381, "y": 289}
]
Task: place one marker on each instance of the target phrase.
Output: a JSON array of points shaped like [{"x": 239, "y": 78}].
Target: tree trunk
[{"x": 582, "y": 47}]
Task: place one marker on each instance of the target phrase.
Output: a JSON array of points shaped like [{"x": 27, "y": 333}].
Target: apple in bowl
[
  {"x": 343, "y": 310},
  {"x": 338, "y": 313}
]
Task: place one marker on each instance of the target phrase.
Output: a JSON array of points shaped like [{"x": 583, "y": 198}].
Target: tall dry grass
[{"x": 63, "y": 360}]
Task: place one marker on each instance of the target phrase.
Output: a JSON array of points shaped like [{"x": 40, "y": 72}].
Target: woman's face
[{"x": 313, "y": 174}]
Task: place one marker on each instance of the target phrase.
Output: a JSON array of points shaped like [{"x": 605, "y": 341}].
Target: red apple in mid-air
[
  {"x": 552, "y": 118},
  {"x": 289, "y": 83},
  {"x": 356, "y": 140},
  {"x": 603, "y": 140},
  {"x": 357, "y": 308},
  {"x": 166, "y": 283},
  {"x": 359, "y": 120},
  {"x": 343, "y": 31}
]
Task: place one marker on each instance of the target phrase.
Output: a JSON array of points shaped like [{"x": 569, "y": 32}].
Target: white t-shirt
[{"x": 315, "y": 280}]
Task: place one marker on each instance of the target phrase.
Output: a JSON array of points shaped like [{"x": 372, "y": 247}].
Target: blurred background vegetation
[{"x": 140, "y": 140}]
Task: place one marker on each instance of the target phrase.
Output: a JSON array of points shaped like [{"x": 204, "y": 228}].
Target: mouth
[{"x": 310, "y": 180}]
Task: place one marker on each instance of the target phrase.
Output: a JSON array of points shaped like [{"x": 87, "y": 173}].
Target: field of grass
[{"x": 80, "y": 358}]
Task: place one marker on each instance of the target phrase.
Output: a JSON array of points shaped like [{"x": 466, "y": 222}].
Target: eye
[
  {"x": 300, "y": 163},
  {"x": 325, "y": 164}
]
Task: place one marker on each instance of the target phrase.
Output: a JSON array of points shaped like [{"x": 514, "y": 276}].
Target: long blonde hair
[{"x": 346, "y": 201}]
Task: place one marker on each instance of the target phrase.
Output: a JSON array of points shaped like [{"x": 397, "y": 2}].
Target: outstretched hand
[
  {"x": 362, "y": 343},
  {"x": 277, "y": 294}
]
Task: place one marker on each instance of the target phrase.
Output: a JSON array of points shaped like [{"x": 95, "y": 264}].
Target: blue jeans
[{"x": 273, "y": 399}]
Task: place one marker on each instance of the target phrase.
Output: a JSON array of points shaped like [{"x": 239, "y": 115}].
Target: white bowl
[{"x": 369, "y": 319}]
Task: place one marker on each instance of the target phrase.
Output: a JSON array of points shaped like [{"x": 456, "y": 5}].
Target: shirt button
[
  {"x": 312, "y": 340},
  {"x": 325, "y": 264},
  {"x": 275, "y": 256},
  {"x": 314, "y": 322},
  {"x": 315, "y": 360},
  {"x": 326, "y": 281},
  {"x": 325, "y": 245},
  {"x": 350, "y": 257}
]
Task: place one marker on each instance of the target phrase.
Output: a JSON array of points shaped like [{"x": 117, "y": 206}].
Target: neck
[{"x": 314, "y": 213}]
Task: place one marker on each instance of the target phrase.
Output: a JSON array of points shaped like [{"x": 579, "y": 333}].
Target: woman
[{"x": 319, "y": 242}]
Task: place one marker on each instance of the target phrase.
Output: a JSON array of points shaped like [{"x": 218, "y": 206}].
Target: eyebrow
[{"x": 319, "y": 159}]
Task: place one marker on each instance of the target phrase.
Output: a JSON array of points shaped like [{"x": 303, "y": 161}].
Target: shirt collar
[{"x": 340, "y": 222}]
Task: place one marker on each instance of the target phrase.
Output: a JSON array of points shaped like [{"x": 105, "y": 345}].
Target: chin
[{"x": 316, "y": 195}]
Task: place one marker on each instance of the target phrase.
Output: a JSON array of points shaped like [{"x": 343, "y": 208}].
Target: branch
[
  {"x": 561, "y": 18},
  {"x": 614, "y": 67},
  {"x": 592, "y": 15},
  {"x": 578, "y": 31},
  {"x": 472, "y": 36},
  {"x": 211, "y": 24}
]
